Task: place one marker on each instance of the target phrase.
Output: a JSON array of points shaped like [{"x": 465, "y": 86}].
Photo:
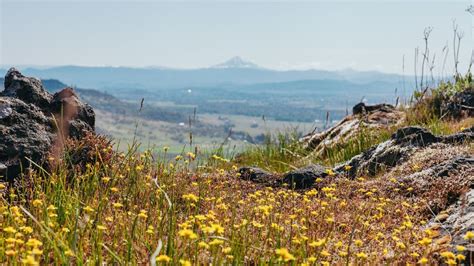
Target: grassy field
[
  {"x": 152, "y": 133},
  {"x": 257, "y": 125}
]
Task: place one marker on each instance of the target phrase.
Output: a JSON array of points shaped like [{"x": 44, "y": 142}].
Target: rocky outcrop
[
  {"x": 459, "y": 220},
  {"x": 304, "y": 177},
  {"x": 404, "y": 144},
  {"x": 362, "y": 108},
  {"x": 254, "y": 174},
  {"x": 365, "y": 118},
  {"x": 260, "y": 176},
  {"x": 443, "y": 173},
  {"x": 34, "y": 123},
  {"x": 444, "y": 169},
  {"x": 398, "y": 149}
]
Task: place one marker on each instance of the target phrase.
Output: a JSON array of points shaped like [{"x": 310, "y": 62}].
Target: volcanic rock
[{"x": 34, "y": 123}]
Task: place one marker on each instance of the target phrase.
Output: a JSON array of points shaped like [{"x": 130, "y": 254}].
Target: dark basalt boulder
[
  {"x": 25, "y": 132},
  {"x": 259, "y": 176},
  {"x": 254, "y": 174},
  {"x": 27, "y": 89},
  {"x": 304, "y": 177},
  {"x": 414, "y": 136},
  {"x": 30, "y": 120},
  {"x": 465, "y": 135},
  {"x": 362, "y": 108}
]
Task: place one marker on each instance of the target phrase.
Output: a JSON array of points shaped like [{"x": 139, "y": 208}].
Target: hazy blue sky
[{"x": 313, "y": 34}]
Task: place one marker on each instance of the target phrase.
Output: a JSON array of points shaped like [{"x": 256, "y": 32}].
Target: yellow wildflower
[
  {"x": 447, "y": 255},
  {"x": 150, "y": 230},
  {"x": 257, "y": 224},
  {"x": 185, "y": 262},
  {"x": 51, "y": 208},
  {"x": 203, "y": 245},
  {"x": 451, "y": 262},
  {"x": 414, "y": 255},
  {"x": 216, "y": 242},
  {"x": 88, "y": 209},
  {"x": 117, "y": 205},
  {"x": 37, "y": 202},
  {"x": 27, "y": 229},
  {"x": 191, "y": 197},
  {"x": 143, "y": 214},
  {"x": 9, "y": 229},
  {"x": 163, "y": 258},
  {"x": 101, "y": 228},
  {"x": 401, "y": 245},
  {"x": 284, "y": 255},
  {"x": 425, "y": 241},
  {"x": 330, "y": 172},
  {"x": 187, "y": 233},
  {"x": 214, "y": 228},
  {"x": 318, "y": 243},
  {"x": 325, "y": 253},
  {"x": 29, "y": 260},
  {"x": 10, "y": 240},
  {"x": 32, "y": 242},
  {"x": 191, "y": 155},
  {"x": 469, "y": 235},
  {"x": 423, "y": 261},
  {"x": 358, "y": 242}
]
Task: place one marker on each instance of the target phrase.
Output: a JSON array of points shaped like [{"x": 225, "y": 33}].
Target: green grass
[{"x": 279, "y": 153}]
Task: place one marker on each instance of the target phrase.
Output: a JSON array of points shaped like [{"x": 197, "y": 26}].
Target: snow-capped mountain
[{"x": 236, "y": 62}]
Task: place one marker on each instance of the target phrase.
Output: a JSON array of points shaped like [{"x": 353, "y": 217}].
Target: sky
[{"x": 361, "y": 35}]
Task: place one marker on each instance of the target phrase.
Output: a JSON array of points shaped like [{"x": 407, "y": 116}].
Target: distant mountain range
[{"x": 235, "y": 71}]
